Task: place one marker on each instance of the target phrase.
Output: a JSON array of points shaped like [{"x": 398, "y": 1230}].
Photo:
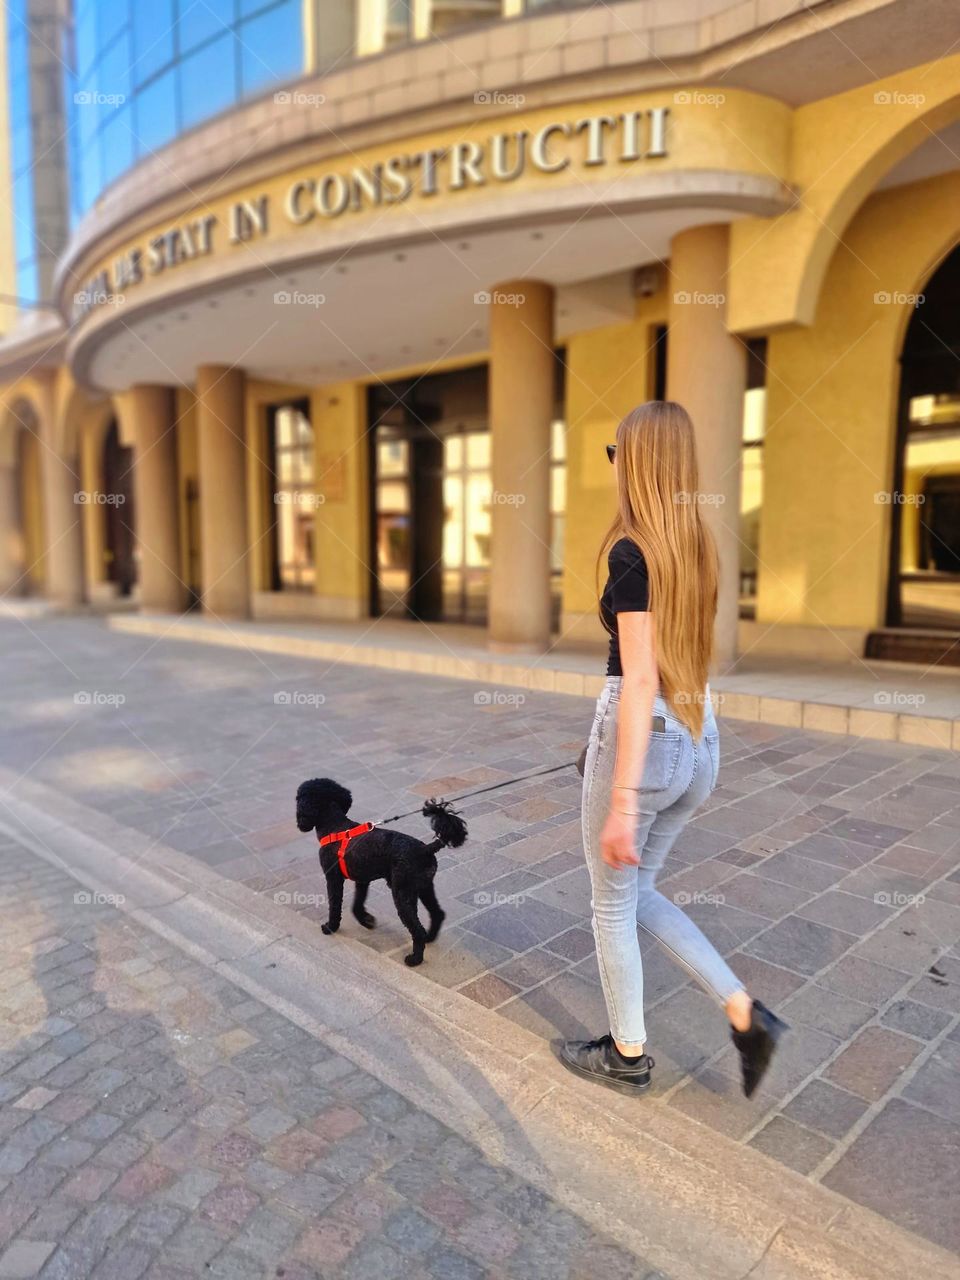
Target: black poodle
[{"x": 364, "y": 853}]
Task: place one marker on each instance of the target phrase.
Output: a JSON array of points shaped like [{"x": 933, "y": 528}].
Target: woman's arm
[{"x": 638, "y": 658}]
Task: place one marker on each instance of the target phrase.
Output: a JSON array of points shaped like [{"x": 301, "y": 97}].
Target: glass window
[
  {"x": 156, "y": 108},
  {"x": 152, "y": 38},
  {"x": 117, "y": 144},
  {"x": 294, "y": 497},
  {"x": 113, "y": 71},
  {"x": 187, "y": 60},
  {"x": 271, "y": 47},
  {"x": 86, "y": 39},
  {"x": 751, "y": 476},
  {"x": 86, "y": 117},
  {"x": 111, "y": 17},
  {"x": 478, "y": 449},
  {"x": 201, "y": 20},
  {"x": 392, "y": 457},
  {"x": 208, "y": 81},
  {"x": 91, "y": 176},
  {"x": 558, "y": 492}
]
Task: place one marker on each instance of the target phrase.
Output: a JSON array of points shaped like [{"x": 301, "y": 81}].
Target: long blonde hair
[{"x": 659, "y": 510}]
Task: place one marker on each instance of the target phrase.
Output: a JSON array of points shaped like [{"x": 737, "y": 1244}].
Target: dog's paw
[
  {"x": 329, "y": 928},
  {"x": 412, "y": 960},
  {"x": 367, "y": 920}
]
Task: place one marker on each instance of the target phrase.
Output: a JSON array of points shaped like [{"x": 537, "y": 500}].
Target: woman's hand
[{"x": 617, "y": 839}]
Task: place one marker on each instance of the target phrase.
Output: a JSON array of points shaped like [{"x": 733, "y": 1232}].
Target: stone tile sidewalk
[
  {"x": 157, "y": 1122},
  {"x": 825, "y": 868}
]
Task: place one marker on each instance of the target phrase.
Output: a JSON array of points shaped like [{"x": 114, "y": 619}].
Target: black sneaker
[
  {"x": 599, "y": 1060},
  {"x": 757, "y": 1045}
]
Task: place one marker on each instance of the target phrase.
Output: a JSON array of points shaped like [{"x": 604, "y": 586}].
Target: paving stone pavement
[
  {"x": 157, "y": 1122},
  {"x": 827, "y": 870}
]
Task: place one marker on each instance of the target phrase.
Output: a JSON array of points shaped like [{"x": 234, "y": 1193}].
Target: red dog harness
[{"x": 345, "y": 837}]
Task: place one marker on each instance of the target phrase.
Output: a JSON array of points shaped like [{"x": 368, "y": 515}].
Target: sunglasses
[{"x": 611, "y": 452}]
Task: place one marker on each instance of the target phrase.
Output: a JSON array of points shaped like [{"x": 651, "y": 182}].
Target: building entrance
[
  {"x": 119, "y": 542},
  {"x": 432, "y": 492},
  {"x": 431, "y": 497},
  {"x": 925, "y": 568}
]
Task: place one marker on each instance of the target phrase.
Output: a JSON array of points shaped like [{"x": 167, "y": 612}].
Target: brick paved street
[
  {"x": 159, "y": 1122},
  {"x": 826, "y": 868}
]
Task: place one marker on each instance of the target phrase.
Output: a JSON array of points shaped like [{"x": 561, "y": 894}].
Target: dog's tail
[{"x": 449, "y": 828}]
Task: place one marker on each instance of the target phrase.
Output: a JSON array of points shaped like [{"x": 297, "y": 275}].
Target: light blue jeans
[{"x": 678, "y": 776}]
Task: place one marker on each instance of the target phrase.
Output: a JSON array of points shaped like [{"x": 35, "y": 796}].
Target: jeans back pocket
[{"x": 662, "y": 762}]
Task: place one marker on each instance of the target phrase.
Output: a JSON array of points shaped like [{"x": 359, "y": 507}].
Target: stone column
[
  {"x": 223, "y": 491},
  {"x": 63, "y": 541},
  {"x": 706, "y": 373},
  {"x": 522, "y": 382},
  {"x": 148, "y": 422},
  {"x": 62, "y": 503}
]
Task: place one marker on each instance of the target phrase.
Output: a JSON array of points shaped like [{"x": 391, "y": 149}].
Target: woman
[{"x": 654, "y": 749}]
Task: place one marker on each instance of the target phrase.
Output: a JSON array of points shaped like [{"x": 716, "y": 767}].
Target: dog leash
[{"x": 495, "y": 786}]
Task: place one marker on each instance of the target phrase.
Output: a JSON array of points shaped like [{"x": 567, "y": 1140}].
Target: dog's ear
[
  {"x": 317, "y": 794},
  {"x": 306, "y": 814}
]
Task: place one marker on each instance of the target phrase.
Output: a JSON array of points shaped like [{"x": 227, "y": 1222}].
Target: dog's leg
[
  {"x": 428, "y": 896},
  {"x": 334, "y": 901},
  {"x": 405, "y": 900},
  {"x": 359, "y": 902}
]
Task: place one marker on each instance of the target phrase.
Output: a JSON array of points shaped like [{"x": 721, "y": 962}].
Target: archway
[
  {"x": 116, "y": 500},
  {"x": 924, "y": 589},
  {"x": 21, "y": 504}
]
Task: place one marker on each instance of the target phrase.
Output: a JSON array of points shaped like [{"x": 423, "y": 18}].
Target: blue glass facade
[{"x": 145, "y": 70}]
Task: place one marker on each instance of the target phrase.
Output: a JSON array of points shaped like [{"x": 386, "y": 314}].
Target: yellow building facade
[{"x": 355, "y": 348}]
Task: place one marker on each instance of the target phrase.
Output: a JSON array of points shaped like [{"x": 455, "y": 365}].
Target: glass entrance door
[
  {"x": 467, "y": 489},
  {"x": 392, "y": 531},
  {"x": 432, "y": 495}
]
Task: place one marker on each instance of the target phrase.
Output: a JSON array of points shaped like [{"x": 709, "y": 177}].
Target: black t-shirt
[{"x": 627, "y": 591}]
